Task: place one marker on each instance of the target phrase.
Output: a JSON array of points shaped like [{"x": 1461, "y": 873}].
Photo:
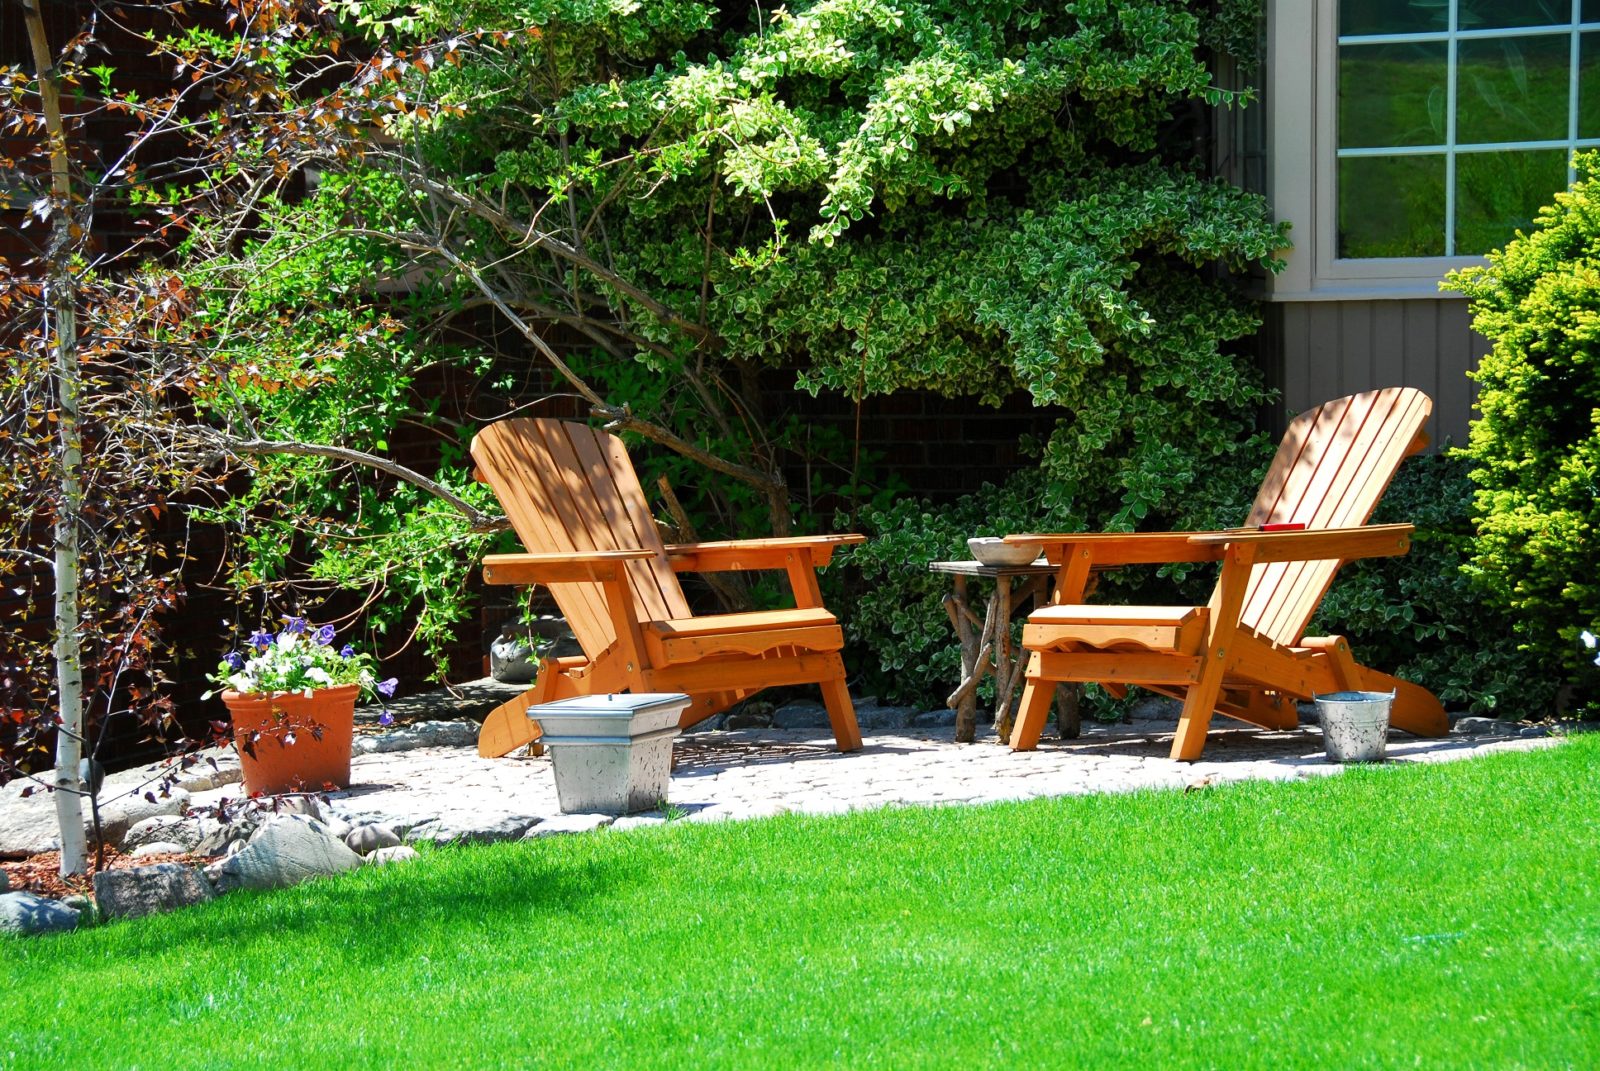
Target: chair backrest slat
[
  {"x": 1331, "y": 469},
  {"x": 568, "y": 487}
]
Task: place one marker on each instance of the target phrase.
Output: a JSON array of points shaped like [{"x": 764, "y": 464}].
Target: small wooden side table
[{"x": 986, "y": 645}]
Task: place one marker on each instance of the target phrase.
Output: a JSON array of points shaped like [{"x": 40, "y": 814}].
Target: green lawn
[{"x": 1441, "y": 917}]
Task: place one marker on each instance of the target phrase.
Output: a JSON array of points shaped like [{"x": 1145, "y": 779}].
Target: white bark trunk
[{"x": 62, "y": 302}]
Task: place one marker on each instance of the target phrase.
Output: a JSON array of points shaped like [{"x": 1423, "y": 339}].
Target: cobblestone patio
[{"x": 449, "y": 793}]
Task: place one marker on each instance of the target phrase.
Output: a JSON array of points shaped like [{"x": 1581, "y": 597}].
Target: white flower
[
  {"x": 318, "y": 675},
  {"x": 285, "y": 640},
  {"x": 1588, "y": 639}
]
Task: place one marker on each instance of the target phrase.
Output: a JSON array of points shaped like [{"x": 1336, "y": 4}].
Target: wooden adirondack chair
[
  {"x": 1243, "y": 654},
  {"x": 572, "y": 496}
]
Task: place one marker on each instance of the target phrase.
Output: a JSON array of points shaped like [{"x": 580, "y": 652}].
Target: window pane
[
  {"x": 1589, "y": 86},
  {"x": 1512, "y": 89},
  {"x": 1499, "y": 192},
  {"x": 1391, "y": 206},
  {"x": 1591, "y": 10},
  {"x": 1394, "y": 16},
  {"x": 1391, "y": 95},
  {"x": 1494, "y": 14}
]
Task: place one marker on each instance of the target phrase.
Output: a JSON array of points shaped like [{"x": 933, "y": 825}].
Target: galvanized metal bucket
[
  {"x": 612, "y": 753},
  {"x": 1355, "y": 725}
]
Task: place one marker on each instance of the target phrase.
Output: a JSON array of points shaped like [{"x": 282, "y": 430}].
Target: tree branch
[{"x": 480, "y": 521}]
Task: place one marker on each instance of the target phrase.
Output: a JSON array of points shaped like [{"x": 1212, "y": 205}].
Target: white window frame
[{"x": 1302, "y": 175}]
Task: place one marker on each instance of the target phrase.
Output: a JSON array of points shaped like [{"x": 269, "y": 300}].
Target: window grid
[{"x": 1451, "y": 37}]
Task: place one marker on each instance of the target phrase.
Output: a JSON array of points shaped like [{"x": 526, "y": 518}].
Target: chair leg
[
  {"x": 1037, "y": 694},
  {"x": 1198, "y": 706},
  {"x": 841, "y": 711}
]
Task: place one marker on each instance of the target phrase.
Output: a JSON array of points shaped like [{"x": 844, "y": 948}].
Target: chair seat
[
  {"x": 1181, "y": 629},
  {"x": 691, "y": 639}
]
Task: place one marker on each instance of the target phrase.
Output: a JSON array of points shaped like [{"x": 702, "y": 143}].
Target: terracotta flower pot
[{"x": 290, "y": 754}]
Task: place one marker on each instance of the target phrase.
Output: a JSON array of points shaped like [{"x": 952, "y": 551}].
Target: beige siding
[{"x": 1319, "y": 350}]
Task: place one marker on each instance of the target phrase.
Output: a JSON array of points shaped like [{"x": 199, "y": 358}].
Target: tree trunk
[{"x": 62, "y": 303}]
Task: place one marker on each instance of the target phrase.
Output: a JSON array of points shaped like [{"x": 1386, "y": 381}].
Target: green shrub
[{"x": 1535, "y": 450}]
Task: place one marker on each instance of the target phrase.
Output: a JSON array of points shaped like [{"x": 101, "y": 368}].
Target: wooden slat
[
  {"x": 1368, "y": 470},
  {"x": 514, "y": 460},
  {"x": 1331, "y": 470},
  {"x": 620, "y": 496},
  {"x": 667, "y": 650},
  {"x": 585, "y": 515},
  {"x": 1137, "y": 667},
  {"x": 756, "y": 621}
]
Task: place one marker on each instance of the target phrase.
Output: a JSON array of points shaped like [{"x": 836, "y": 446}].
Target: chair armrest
[
  {"x": 1124, "y": 548},
  {"x": 1368, "y": 541},
  {"x": 733, "y": 554},
  {"x": 579, "y": 566}
]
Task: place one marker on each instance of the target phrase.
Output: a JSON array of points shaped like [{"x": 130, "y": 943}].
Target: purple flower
[
  {"x": 324, "y": 636},
  {"x": 386, "y": 718},
  {"x": 260, "y": 638},
  {"x": 296, "y": 625},
  {"x": 386, "y": 688},
  {"x": 346, "y": 651},
  {"x": 235, "y": 661}
]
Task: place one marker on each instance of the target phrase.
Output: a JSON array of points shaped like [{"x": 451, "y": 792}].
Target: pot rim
[{"x": 229, "y": 695}]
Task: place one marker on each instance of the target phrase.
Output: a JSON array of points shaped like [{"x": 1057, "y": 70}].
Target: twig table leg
[{"x": 967, "y": 707}]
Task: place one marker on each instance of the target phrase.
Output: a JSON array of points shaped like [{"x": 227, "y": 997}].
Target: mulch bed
[{"x": 41, "y": 874}]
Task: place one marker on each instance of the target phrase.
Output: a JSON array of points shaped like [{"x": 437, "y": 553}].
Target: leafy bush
[{"x": 1535, "y": 450}]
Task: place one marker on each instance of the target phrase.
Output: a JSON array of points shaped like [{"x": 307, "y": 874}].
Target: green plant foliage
[
  {"x": 973, "y": 198},
  {"x": 1535, "y": 450},
  {"x": 1423, "y": 616}
]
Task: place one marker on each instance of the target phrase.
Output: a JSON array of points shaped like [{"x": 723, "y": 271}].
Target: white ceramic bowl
[{"x": 992, "y": 550}]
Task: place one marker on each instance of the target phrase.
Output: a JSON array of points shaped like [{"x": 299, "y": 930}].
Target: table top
[{"x": 1040, "y": 567}]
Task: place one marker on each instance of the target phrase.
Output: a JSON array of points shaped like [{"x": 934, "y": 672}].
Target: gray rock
[
  {"x": 157, "y": 847},
  {"x": 929, "y": 719},
  {"x": 5, "y": 882},
  {"x": 394, "y": 853},
  {"x": 471, "y": 828},
  {"x": 226, "y": 839},
  {"x": 881, "y": 718},
  {"x": 748, "y": 719},
  {"x": 82, "y": 905},
  {"x": 213, "y": 768},
  {"x": 336, "y": 825},
  {"x": 800, "y": 714},
  {"x": 27, "y": 914},
  {"x": 364, "y": 840},
  {"x": 422, "y": 734},
  {"x": 167, "y": 829},
  {"x": 285, "y": 851},
  {"x": 119, "y": 815},
  {"x": 28, "y": 824},
  {"x": 302, "y": 805},
  {"x": 1156, "y": 708},
  {"x": 1485, "y": 727},
  {"x": 565, "y": 824},
  {"x": 1533, "y": 732},
  {"x": 149, "y": 890},
  {"x": 638, "y": 821},
  {"x": 711, "y": 724}
]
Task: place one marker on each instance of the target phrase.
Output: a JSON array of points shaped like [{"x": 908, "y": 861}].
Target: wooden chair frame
[
  {"x": 567, "y": 483},
  {"x": 1243, "y": 654}
]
